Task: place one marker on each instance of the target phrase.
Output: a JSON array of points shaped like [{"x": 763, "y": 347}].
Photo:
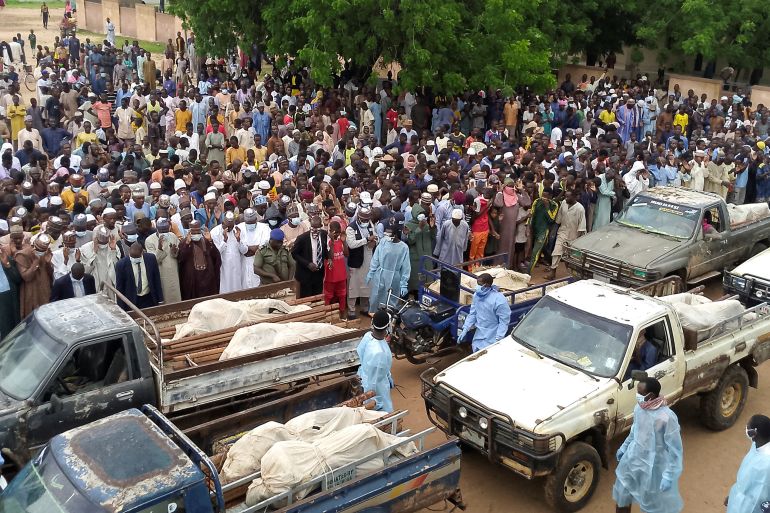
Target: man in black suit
[
  {"x": 137, "y": 277},
  {"x": 75, "y": 283},
  {"x": 310, "y": 251}
]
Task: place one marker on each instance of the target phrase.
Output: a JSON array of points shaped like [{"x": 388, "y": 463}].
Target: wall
[
  {"x": 760, "y": 94},
  {"x": 712, "y": 88},
  {"x": 139, "y": 22}
]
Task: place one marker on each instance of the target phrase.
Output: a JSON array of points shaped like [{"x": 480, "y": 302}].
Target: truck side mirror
[
  {"x": 54, "y": 404},
  {"x": 638, "y": 375}
]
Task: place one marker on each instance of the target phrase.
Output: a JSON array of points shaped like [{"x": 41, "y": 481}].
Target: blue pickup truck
[
  {"x": 426, "y": 329},
  {"x": 139, "y": 462}
]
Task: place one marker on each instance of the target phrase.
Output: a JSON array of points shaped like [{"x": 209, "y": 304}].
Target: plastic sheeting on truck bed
[
  {"x": 245, "y": 456},
  {"x": 266, "y": 336},
  {"x": 216, "y": 314},
  {"x": 291, "y": 463}
]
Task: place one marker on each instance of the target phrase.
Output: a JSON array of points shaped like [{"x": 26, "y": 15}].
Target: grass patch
[
  {"x": 55, "y": 4},
  {"x": 151, "y": 46}
]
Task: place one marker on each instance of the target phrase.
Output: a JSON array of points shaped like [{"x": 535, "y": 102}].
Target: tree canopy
[{"x": 456, "y": 45}]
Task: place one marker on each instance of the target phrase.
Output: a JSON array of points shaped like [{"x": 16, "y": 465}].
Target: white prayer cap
[
  {"x": 457, "y": 214},
  {"x": 209, "y": 196},
  {"x": 179, "y": 184}
]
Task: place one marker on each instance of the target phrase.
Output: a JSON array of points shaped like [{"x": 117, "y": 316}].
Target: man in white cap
[
  {"x": 34, "y": 265},
  {"x": 210, "y": 213},
  {"x": 180, "y": 189},
  {"x": 80, "y": 227},
  {"x": 102, "y": 186},
  {"x": 452, "y": 238},
  {"x": 361, "y": 241},
  {"x": 638, "y": 179},
  {"x": 63, "y": 258},
  {"x": 165, "y": 245},
  {"x": 251, "y": 235},
  {"x": 698, "y": 171},
  {"x": 224, "y": 238}
]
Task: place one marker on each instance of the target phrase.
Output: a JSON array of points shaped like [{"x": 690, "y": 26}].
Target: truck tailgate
[{"x": 208, "y": 383}]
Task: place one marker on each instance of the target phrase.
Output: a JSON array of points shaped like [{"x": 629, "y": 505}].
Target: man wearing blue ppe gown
[
  {"x": 490, "y": 314},
  {"x": 752, "y": 486},
  {"x": 650, "y": 460},
  {"x": 376, "y": 361},
  {"x": 389, "y": 270}
]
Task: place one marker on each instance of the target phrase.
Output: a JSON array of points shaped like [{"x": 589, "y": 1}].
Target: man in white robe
[
  {"x": 164, "y": 245},
  {"x": 224, "y": 238},
  {"x": 99, "y": 257},
  {"x": 253, "y": 235},
  {"x": 572, "y": 224}
]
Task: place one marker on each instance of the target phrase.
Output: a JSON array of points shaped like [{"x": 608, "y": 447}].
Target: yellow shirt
[
  {"x": 235, "y": 154},
  {"x": 607, "y": 116},
  {"x": 83, "y": 138},
  {"x": 681, "y": 120},
  {"x": 182, "y": 118},
  {"x": 260, "y": 154}
]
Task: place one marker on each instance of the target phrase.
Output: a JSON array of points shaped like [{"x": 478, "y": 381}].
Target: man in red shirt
[
  {"x": 480, "y": 226},
  {"x": 335, "y": 277}
]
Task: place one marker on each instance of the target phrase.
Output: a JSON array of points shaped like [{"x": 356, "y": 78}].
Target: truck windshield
[
  {"x": 26, "y": 356},
  {"x": 42, "y": 488},
  {"x": 576, "y": 338},
  {"x": 656, "y": 216}
]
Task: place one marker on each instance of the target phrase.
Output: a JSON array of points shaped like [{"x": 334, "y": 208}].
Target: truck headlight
[
  {"x": 462, "y": 412},
  {"x": 739, "y": 283},
  {"x": 640, "y": 273},
  {"x": 483, "y": 423},
  {"x": 575, "y": 253}
]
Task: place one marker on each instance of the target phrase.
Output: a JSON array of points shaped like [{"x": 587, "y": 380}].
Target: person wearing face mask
[
  {"x": 650, "y": 459},
  {"x": 309, "y": 252},
  {"x": 128, "y": 235},
  {"x": 376, "y": 362},
  {"x": 165, "y": 245},
  {"x": 252, "y": 236},
  {"x": 294, "y": 227},
  {"x": 645, "y": 354},
  {"x": 418, "y": 235},
  {"x": 80, "y": 227},
  {"x": 389, "y": 270},
  {"x": 75, "y": 283},
  {"x": 752, "y": 485},
  {"x": 74, "y": 193},
  {"x": 34, "y": 265},
  {"x": 361, "y": 243},
  {"x": 199, "y": 264},
  {"x": 490, "y": 315},
  {"x": 100, "y": 256},
  {"x": 225, "y": 238},
  {"x": 64, "y": 258},
  {"x": 26, "y": 194},
  {"x": 137, "y": 277},
  {"x": 101, "y": 187},
  {"x": 273, "y": 262}
]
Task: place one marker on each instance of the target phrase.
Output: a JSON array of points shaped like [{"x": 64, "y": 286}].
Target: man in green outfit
[{"x": 273, "y": 262}]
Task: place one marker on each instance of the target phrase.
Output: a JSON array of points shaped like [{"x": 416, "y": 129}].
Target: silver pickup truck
[{"x": 660, "y": 233}]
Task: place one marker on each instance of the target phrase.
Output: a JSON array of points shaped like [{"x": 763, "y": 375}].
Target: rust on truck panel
[{"x": 705, "y": 377}]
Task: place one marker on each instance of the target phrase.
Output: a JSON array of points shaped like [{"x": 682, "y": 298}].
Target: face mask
[
  {"x": 137, "y": 260},
  {"x": 196, "y": 237},
  {"x": 421, "y": 217},
  {"x": 750, "y": 433},
  {"x": 132, "y": 238},
  {"x": 390, "y": 238},
  {"x": 272, "y": 222},
  {"x": 482, "y": 288},
  {"x": 639, "y": 398},
  {"x": 251, "y": 227},
  {"x": 76, "y": 190},
  {"x": 104, "y": 184},
  {"x": 80, "y": 234},
  {"x": 26, "y": 196},
  {"x": 294, "y": 221},
  {"x": 39, "y": 253}
]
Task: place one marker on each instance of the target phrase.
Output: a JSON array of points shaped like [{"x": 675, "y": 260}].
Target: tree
[{"x": 448, "y": 45}]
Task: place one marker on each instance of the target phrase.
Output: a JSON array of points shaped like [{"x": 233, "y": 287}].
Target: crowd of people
[{"x": 210, "y": 177}]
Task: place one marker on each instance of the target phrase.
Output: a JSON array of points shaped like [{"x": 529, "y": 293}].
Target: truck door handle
[
  {"x": 124, "y": 395},
  {"x": 660, "y": 374}
]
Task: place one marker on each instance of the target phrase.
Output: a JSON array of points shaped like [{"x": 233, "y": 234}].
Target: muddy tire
[
  {"x": 757, "y": 249},
  {"x": 574, "y": 480},
  {"x": 721, "y": 407}
]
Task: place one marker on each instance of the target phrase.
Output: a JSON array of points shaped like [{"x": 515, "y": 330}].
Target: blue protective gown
[
  {"x": 752, "y": 486},
  {"x": 490, "y": 314},
  {"x": 652, "y": 452},
  {"x": 389, "y": 270},
  {"x": 376, "y": 361}
]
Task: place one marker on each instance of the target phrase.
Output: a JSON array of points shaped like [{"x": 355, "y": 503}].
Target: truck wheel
[
  {"x": 574, "y": 479},
  {"x": 721, "y": 407}
]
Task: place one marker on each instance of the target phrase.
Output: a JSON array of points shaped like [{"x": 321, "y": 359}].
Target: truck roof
[
  {"x": 610, "y": 301},
  {"x": 123, "y": 461},
  {"x": 72, "y": 319},
  {"x": 683, "y": 196}
]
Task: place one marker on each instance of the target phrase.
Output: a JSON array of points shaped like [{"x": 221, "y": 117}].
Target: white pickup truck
[{"x": 547, "y": 399}]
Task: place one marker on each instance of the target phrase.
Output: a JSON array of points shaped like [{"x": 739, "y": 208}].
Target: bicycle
[{"x": 29, "y": 78}]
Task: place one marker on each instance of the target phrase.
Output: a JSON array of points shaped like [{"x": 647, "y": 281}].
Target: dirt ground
[{"x": 711, "y": 459}]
